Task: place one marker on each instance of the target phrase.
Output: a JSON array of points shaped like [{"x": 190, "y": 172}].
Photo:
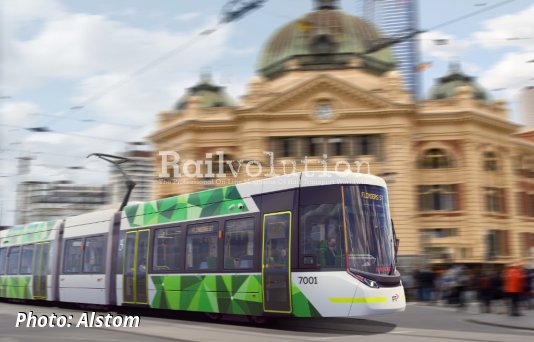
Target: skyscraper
[
  {"x": 397, "y": 18},
  {"x": 526, "y": 107}
]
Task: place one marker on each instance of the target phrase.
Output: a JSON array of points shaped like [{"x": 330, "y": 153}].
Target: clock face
[{"x": 324, "y": 111}]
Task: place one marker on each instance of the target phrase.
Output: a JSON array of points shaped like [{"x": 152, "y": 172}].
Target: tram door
[
  {"x": 276, "y": 262},
  {"x": 135, "y": 289},
  {"x": 40, "y": 270}
]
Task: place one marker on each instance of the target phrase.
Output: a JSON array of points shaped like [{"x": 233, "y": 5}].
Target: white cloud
[
  {"x": 48, "y": 138},
  {"x": 498, "y": 31},
  {"x": 125, "y": 12},
  {"x": 187, "y": 16},
  {"x": 79, "y": 45},
  {"x": 19, "y": 12},
  {"x": 14, "y": 114},
  {"x": 511, "y": 72},
  {"x": 91, "y": 53},
  {"x": 453, "y": 48},
  {"x": 97, "y": 53},
  {"x": 17, "y": 112},
  {"x": 471, "y": 68},
  {"x": 82, "y": 45},
  {"x": 243, "y": 51}
]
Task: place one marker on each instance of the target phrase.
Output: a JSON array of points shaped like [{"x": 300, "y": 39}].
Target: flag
[{"x": 423, "y": 66}]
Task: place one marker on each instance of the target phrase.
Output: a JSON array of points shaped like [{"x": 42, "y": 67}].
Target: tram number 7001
[{"x": 308, "y": 280}]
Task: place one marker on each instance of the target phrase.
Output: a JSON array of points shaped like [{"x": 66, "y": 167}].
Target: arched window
[
  {"x": 490, "y": 161},
  {"x": 436, "y": 158}
]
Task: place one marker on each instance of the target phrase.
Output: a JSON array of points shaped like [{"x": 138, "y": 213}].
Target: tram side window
[
  {"x": 321, "y": 234},
  {"x": 168, "y": 256},
  {"x": 13, "y": 260},
  {"x": 239, "y": 244},
  {"x": 72, "y": 258},
  {"x": 3, "y": 254},
  {"x": 26, "y": 261},
  {"x": 94, "y": 254},
  {"x": 201, "y": 246}
]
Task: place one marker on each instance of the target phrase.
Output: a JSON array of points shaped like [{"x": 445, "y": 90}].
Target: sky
[{"x": 78, "y": 68}]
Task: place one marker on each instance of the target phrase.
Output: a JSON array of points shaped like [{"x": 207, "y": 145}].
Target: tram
[{"x": 310, "y": 244}]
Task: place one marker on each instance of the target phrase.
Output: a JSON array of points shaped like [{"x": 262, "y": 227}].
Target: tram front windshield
[{"x": 369, "y": 232}]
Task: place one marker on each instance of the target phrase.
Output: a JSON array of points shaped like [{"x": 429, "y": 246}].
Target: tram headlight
[{"x": 371, "y": 283}]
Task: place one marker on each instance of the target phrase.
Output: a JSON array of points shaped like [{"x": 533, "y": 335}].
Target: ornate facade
[{"x": 461, "y": 178}]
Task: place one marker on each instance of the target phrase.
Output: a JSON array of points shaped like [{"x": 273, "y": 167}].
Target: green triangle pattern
[
  {"x": 213, "y": 202},
  {"x": 28, "y": 233},
  {"x": 232, "y": 294},
  {"x": 301, "y": 305},
  {"x": 227, "y": 281},
  {"x": 16, "y": 287}
]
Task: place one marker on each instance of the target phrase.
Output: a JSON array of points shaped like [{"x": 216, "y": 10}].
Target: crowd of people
[{"x": 459, "y": 284}]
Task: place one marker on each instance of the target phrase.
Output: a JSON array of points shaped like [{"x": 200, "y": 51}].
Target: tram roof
[
  {"x": 24, "y": 233},
  {"x": 233, "y": 199},
  {"x": 306, "y": 179},
  {"x": 315, "y": 178}
]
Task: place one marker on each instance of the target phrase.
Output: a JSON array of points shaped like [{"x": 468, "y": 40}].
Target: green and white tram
[
  {"x": 313, "y": 244},
  {"x": 28, "y": 261}
]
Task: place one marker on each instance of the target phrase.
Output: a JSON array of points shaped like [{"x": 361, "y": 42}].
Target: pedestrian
[
  {"x": 427, "y": 284},
  {"x": 448, "y": 285},
  {"x": 417, "y": 284},
  {"x": 438, "y": 285},
  {"x": 514, "y": 278},
  {"x": 496, "y": 285},
  {"x": 462, "y": 286},
  {"x": 527, "y": 292},
  {"x": 485, "y": 291}
]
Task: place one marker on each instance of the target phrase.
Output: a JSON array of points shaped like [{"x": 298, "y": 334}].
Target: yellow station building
[{"x": 460, "y": 173}]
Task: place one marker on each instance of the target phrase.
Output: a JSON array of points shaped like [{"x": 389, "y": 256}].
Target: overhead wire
[
  {"x": 407, "y": 36},
  {"x": 41, "y": 152},
  {"x": 47, "y": 130},
  {"x": 88, "y": 120},
  {"x": 469, "y": 15},
  {"x": 229, "y": 14}
]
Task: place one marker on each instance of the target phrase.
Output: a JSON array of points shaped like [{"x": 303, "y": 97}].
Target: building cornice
[
  {"x": 460, "y": 115},
  {"x": 324, "y": 81},
  {"x": 341, "y": 113},
  {"x": 193, "y": 124}
]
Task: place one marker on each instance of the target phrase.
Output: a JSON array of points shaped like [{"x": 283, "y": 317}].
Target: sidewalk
[
  {"x": 499, "y": 316},
  {"x": 525, "y": 322}
]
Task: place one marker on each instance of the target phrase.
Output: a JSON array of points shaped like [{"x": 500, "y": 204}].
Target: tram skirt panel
[{"x": 238, "y": 294}]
